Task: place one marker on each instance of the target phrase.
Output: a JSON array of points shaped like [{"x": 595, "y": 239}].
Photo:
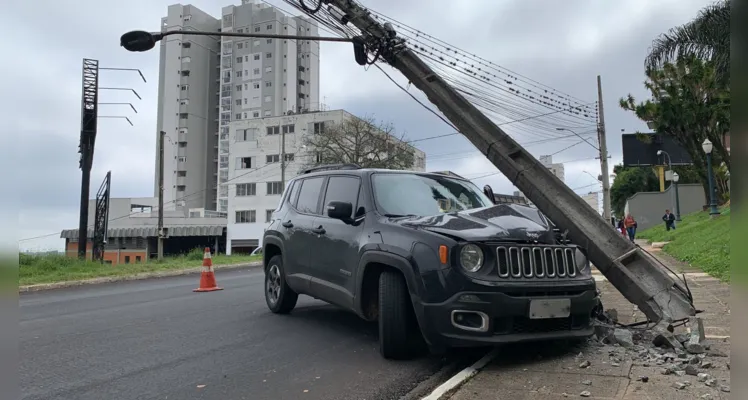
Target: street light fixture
[
  {"x": 708, "y": 147},
  {"x": 676, "y": 178},
  {"x": 139, "y": 41}
]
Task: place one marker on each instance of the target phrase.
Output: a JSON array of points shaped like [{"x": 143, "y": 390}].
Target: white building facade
[
  {"x": 254, "y": 184},
  {"x": 593, "y": 199},
  {"x": 205, "y": 83}
]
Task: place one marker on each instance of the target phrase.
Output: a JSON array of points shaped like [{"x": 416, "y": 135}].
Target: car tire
[
  {"x": 280, "y": 298},
  {"x": 395, "y": 316}
]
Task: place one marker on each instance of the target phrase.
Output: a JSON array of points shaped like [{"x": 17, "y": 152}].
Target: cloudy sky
[{"x": 561, "y": 44}]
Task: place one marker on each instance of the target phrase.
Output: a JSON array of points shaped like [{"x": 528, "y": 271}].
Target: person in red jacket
[{"x": 630, "y": 224}]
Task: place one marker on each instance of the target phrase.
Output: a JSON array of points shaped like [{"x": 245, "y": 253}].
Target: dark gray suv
[{"x": 428, "y": 256}]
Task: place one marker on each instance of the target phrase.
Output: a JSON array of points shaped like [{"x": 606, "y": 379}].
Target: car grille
[
  {"x": 528, "y": 262},
  {"x": 519, "y": 325}
]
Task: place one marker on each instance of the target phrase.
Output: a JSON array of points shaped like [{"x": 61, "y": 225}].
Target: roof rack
[{"x": 331, "y": 167}]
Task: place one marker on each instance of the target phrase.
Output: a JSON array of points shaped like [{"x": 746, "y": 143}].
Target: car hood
[{"x": 507, "y": 222}]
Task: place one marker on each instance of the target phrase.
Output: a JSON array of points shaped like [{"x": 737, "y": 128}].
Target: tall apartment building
[
  {"x": 206, "y": 83},
  {"x": 556, "y": 169},
  {"x": 255, "y": 186}
]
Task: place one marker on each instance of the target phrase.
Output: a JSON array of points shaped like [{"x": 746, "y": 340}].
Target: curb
[
  {"x": 136, "y": 277},
  {"x": 448, "y": 388}
]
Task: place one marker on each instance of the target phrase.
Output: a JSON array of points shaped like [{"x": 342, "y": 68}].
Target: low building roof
[{"x": 152, "y": 231}]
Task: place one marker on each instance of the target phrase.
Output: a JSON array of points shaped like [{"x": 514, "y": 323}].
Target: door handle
[
  {"x": 287, "y": 224},
  {"x": 319, "y": 230}
]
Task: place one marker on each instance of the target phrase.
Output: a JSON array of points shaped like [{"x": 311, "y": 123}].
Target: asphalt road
[{"x": 157, "y": 339}]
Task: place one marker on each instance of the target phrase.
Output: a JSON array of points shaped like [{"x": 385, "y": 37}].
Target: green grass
[
  {"x": 699, "y": 240},
  {"x": 48, "y": 269}
]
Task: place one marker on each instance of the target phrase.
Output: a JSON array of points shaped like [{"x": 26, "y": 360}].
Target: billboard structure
[{"x": 640, "y": 150}]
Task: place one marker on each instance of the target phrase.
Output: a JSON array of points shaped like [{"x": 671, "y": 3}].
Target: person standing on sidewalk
[
  {"x": 630, "y": 224},
  {"x": 669, "y": 219}
]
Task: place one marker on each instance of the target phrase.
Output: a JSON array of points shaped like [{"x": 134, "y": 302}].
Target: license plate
[{"x": 550, "y": 308}]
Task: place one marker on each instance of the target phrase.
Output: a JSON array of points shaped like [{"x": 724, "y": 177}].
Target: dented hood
[{"x": 509, "y": 222}]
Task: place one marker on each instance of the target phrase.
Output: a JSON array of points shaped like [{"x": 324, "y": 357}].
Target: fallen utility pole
[{"x": 633, "y": 272}]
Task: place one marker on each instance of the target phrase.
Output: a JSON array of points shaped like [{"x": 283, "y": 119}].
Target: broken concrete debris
[
  {"x": 624, "y": 338},
  {"x": 585, "y": 394}
]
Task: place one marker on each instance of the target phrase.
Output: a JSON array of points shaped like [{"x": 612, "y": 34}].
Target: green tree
[
  {"x": 689, "y": 105},
  {"x": 628, "y": 182},
  {"x": 362, "y": 141},
  {"x": 707, "y": 37}
]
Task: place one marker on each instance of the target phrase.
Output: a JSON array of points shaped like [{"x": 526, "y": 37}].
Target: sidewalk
[{"x": 549, "y": 371}]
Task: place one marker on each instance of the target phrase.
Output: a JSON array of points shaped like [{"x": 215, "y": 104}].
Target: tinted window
[
  {"x": 342, "y": 188},
  {"x": 309, "y": 195},
  {"x": 294, "y": 193}
]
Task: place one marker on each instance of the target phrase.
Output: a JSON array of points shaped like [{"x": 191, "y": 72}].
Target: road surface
[{"x": 156, "y": 339}]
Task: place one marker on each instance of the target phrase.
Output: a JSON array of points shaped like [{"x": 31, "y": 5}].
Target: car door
[
  {"x": 298, "y": 224},
  {"x": 335, "y": 256}
]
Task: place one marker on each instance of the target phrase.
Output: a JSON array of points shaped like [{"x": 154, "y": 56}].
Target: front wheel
[
  {"x": 396, "y": 318},
  {"x": 280, "y": 298}
]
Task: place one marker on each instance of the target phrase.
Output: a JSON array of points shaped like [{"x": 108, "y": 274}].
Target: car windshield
[{"x": 424, "y": 195}]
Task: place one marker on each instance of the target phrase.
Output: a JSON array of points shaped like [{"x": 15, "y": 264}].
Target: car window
[
  {"x": 342, "y": 188},
  {"x": 423, "y": 195},
  {"x": 309, "y": 195},
  {"x": 294, "y": 193}
]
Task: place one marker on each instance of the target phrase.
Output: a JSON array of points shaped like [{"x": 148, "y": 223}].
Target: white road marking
[{"x": 462, "y": 376}]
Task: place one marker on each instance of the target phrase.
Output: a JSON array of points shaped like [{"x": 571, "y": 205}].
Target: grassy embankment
[
  {"x": 699, "y": 240},
  {"x": 48, "y": 269}
]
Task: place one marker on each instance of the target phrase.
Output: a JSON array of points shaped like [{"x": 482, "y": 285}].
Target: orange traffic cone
[{"x": 207, "y": 277}]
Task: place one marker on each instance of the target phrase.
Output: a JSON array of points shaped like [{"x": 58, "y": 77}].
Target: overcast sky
[{"x": 562, "y": 44}]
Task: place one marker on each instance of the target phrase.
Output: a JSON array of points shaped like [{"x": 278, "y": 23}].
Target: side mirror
[
  {"x": 340, "y": 210},
  {"x": 488, "y": 191}
]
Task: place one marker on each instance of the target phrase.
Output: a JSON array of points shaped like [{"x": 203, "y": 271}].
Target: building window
[
  {"x": 302, "y": 82},
  {"x": 257, "y": 28},
  {"x": 268, "y": 69},
  {"x": 319, "y": 127},
  {"x": 137, "y": 259},
  {"x": 186, "y": 45},
  {"x": 239, "y": 60},
  {"x": 267, "y": 113},
  {"x": 246, "y": 217},
  {"x": 301, "y": 95},
  {"x": 268, "y": 55},
  {"x": 256, "y": 71},
  {"x": 256, "y": 85},
  {"x": 272, "y": 158},
  {"x": 270, "y": 40},
  {"x": 268, "y": 99},
  {"x": 182, "y": 144},
  {"x": 256, "y": 57},
  {"x": 183, "y": 115},
  {"x": 245, "y": 86},
  {"x": 238, "y": 102},
  {"x": 257, "y": 43},
  {"x": 289, "y": 157},
  {"x": 273, "y": 130},
  {"x": 268, "y": 83},
  {"x": 127, "y": 259},
  {"x": 288, "y": 128},
  {"x": 268, "y": 215},
  {"x": 238, "y": 88},
  {"x": 270, "y": 26},
  {"x": 240, "y": 30},
  {"x": 256, "y": 114},
  {"x": 185, "y": 72},
  {"x": 185, "y": 87},
  {"x": 184, "y": 102},
  {"x": 244, "y": 135},
  {"x": 302, "y": 69},
  {"x": 181, "y": 188},
  {"x": 245, "y": 100},
  {"x": 274, "y": 188},
  {"x": 240, "y": 45},
  {"x": 238, "y": 74},
  {"x": 182, "y": 173},
  {"x": 246, "y": 189},
  {"x": 186, "y": 59}
]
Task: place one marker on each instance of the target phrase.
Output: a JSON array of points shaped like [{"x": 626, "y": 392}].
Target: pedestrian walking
[
  {"x": 630, "y": 224},
  {"x": 669, "y": 219},
  {"x": 621, "y": 227}
]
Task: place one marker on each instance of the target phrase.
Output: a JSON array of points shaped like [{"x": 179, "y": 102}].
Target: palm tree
[{"x": 706, "y": 37}]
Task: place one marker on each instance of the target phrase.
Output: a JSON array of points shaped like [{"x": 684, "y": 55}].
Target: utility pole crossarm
[{"x": 634, "y": 273}]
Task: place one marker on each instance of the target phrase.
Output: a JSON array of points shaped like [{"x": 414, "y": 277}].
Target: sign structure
[
  {"x": 640, "y": 150},
  {"x": 101, "y": 219}
]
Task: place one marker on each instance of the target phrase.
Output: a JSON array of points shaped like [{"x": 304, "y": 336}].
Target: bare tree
[{"x": 362, "y": 141}]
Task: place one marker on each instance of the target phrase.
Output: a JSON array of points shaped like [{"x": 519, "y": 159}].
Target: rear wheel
[
  {"x": 280, "y": 298},
  {"x": 396, "y": 319}
]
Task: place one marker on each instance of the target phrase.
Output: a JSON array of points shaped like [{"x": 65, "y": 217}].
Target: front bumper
[{"x": 506, "y": 316}]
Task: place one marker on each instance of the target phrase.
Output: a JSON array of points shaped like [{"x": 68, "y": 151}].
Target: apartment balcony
[{"x": 181, "y": 180}]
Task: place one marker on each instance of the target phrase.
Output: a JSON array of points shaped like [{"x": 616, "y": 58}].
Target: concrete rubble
[{"x": 681, "y": 355}]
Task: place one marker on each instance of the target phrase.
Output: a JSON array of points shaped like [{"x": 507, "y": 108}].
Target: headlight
[
  {"x": 471, "y": 258},
  {"x": 583, "y": 264}
]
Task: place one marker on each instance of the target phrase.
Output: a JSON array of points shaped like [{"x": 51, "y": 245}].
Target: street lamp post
[
  {"x": 708, "y": 146},
  {"x": 143, "y": 41},
  {"x": 677, "y": 199}
]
